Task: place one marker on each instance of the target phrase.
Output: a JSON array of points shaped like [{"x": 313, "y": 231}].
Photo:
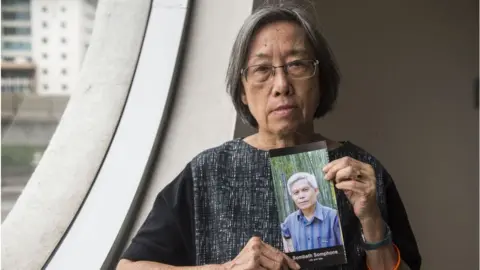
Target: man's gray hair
[
  {"x": 301, "y": 176},
  {"x": 329, "y": 78}
]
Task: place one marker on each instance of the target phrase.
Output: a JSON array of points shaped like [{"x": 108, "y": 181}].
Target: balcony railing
[{"x": 18, "y": 85}]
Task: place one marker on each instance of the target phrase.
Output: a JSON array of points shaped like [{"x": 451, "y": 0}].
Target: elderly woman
[{"x": 220, "y": 211}]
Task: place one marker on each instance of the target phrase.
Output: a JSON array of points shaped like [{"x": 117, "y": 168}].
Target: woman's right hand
[{"x": 258, "y": 255}]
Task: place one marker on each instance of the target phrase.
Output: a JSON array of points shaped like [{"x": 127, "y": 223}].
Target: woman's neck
[{"x": 266, "y": 140}]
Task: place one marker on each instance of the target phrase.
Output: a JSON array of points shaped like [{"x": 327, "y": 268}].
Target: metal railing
[{"x": 18, "y": 85}]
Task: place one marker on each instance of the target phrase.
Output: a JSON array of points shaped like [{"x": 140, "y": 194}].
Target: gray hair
[
  {"x": 329, "y": 78},
  {"x": 312, "y": 181}
]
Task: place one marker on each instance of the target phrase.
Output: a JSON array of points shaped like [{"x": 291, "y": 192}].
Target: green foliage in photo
[{"x": 310, "y": 162}]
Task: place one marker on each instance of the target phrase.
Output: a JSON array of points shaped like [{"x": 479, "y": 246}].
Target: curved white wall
[
  {"x": 203, "y": 115},
  {"x": 61, "y": 181},
  {"x": 99, "y": 222}
]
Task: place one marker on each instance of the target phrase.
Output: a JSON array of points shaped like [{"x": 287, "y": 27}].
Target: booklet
[{"x": 307, "y": 206}]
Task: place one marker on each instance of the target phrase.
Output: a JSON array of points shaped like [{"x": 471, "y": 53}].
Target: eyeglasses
[{"x": 297, "y": 70}]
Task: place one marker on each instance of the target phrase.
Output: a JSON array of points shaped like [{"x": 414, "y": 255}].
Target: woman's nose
[{"x": 280, "y": 83}]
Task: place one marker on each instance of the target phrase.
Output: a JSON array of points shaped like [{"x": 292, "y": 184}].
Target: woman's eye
[{"x": 261, "y": 69}]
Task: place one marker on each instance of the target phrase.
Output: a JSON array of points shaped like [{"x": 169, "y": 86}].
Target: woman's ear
[{"x": 244, "y": 98}]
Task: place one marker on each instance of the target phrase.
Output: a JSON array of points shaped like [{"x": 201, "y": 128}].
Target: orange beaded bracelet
[{"x": 399, "y": 259}]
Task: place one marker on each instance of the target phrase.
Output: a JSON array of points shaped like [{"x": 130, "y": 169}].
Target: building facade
[
  {"x": 61, "y": 32},
  {"x": 49, "y": 38},
  {"x": 18, "y": 69}
]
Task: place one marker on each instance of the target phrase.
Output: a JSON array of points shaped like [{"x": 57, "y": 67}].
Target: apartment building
[{"x": 44, "y": 43}]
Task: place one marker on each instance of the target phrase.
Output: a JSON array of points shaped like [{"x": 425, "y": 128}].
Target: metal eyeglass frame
[{"x": 284, "y": 67}]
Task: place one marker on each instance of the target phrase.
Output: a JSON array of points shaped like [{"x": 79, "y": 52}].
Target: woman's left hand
[{"x": 358, "y": 181}]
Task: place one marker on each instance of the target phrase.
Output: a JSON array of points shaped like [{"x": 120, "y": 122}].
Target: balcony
[{"x": 18, "y": 85}]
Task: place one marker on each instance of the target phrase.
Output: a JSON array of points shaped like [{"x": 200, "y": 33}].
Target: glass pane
[
  {"x": 16, "y": 31},
  {"x": 16, "y": 45},
  {"x": 36, "y": 84}
]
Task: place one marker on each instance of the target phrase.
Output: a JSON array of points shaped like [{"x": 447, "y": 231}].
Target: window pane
[
  {"x": 17, "y": 15},
  {"x": 16, "y": 30},
  {"x": 10, "y": 45},
  {"x": 36, "y": 85}
]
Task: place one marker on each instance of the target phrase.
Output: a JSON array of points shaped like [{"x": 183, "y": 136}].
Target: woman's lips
[{"x": 283, "y": 110}]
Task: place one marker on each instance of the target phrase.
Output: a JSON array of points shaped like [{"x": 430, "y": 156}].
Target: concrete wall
[{"x": 407, "y": 97}]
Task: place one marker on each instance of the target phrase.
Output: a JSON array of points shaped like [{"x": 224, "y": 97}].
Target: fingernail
[{"x": 297, "y": 265}]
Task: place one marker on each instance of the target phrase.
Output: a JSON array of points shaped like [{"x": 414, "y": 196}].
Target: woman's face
[
  {"x": 303, "y": 194},
  {"x": 281, "y": 105}
]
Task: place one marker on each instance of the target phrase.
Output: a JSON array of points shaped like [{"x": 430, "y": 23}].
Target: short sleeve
[
  {"x": 285, "y": 230},
  {"x": 399, "y": 224},
  {"x": 166, "y": 236}
]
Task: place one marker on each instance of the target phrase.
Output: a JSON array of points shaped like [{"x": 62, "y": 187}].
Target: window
[
  {"x": 16, "y": 45},
  {"x": 21, "y": 157},
  {"x": 8, "y": 58},
  {"x": 16, "y": 30},
  {"x": 51, "y": 19},
  {"x": 15, "y": 15},
  {"x": 16, "y": 82},
  {"x": 10, "y": 2}
]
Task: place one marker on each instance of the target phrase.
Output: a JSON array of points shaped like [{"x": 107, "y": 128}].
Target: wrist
[
  {"x": 213, "y": 267},
  {"x": 218, "y": 267},
  {"x": 226, "y": 266},
  {"x": 373, "y": 228}
]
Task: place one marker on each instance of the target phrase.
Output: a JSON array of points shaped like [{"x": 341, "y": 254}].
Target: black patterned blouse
[{"x": 225, "y": 195}]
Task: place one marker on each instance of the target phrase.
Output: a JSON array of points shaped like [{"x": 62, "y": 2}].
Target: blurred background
[{"x": 43, "y": 46}]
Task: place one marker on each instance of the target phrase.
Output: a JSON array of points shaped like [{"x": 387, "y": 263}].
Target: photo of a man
[
  {"x": 307, "y": 206},
  {"x": 313, "y": 225}
]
